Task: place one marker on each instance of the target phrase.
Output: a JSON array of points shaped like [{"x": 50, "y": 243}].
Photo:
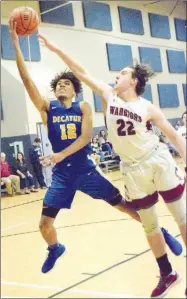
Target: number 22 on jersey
[
  {"x": 125, "y": 128},
  {"x": 68, "y": 131}
]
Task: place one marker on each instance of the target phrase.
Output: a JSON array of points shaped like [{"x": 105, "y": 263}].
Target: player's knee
[
  {"x": 115, "y": 199},
  {"x": 181, "y": 219},
  {"x": 45, "y": 225},
  {"x": 178, "y": 211},
  {"x": 151, "y": 228}
]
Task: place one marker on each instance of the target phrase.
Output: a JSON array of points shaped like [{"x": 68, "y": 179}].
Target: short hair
[
  {"x": 69, "y": 76},
  {"x": 37, "y": 140},
  {"x": 142, "y": 72},
  {"x": 184, "y": 114}
]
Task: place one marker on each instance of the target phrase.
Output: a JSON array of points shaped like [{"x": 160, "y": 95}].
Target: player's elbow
[{"x": 86, "y": 138}]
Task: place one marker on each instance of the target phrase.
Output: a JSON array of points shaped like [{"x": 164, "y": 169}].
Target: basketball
[{"x": 27, "y": 20}]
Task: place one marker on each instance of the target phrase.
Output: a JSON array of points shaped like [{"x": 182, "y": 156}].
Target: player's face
[
  {"x": 125, "y": 80},
  {"x": 64, "y": 89}
]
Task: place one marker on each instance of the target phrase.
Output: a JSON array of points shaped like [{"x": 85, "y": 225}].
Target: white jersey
[
  {"x": 128, "y": 130},
  {"x": 182, "y": 131}
]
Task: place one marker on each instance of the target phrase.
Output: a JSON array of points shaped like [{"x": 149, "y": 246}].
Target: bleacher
[{"x": 109, "y": 163}]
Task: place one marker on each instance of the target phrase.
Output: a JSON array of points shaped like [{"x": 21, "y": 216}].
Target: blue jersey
[{"x": 64, "y": 127}]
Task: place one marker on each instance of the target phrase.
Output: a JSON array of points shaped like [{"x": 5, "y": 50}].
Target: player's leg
[
  {"x": 98, "y": 186},
  {"x": 124, "y": 207},
  {"x": 172, "y": 189},
  {"x": 47, "y": 229},
  {"x": 178, "y": 210},
  {"x": 55, "y": 199},
  {"x": 168, "y": 277}
]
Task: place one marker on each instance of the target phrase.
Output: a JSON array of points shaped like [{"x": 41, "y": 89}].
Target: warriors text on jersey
[{"x": 128, "y": 130}]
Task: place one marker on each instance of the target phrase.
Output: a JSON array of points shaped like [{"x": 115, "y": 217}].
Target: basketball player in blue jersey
[{"x": 69, "y": 127}]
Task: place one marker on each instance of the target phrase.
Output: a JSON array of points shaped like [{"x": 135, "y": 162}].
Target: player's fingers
[
  {"x": 43, "y": 158},
  {"x": 14, "y": 25},
  {"x": 10, "y": 23}
]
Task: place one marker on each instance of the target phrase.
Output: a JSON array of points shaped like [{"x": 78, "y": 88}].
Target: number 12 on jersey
[{"x": 68, "y": 131}]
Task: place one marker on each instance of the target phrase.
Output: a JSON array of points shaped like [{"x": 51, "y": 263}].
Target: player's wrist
[{"x": 53, "y": 48}]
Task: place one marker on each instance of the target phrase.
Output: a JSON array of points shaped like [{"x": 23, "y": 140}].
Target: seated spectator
[
  {"x": 8, "y": 178},
  {"x": 26, "y": 178},
  {"x": 183, "y": 130},
  {"x": 177, "y": 125},
  {"x": 97, "y": 153},
  {"x": 104, "y": 143},
  {"x": 170, "y": 146},
  {"x": 97, "y": 137}
]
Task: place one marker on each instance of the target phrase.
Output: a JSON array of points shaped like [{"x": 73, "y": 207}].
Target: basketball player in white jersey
[{"x": 149, "y": 168}]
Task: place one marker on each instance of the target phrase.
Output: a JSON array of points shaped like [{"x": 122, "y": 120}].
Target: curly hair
[
  {"x": 142, "y": 72},
  {"x": 69, "y": 76}
]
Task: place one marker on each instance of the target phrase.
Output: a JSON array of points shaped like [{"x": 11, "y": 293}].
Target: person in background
[
  {"x": 182, "y": 130},
  {"x": 8, "y": 178},
  {"x": 177, "y": 125},
  {"x": 97, "y": 153},
  {"x": 104, "y": 143},
  {"x": 35, "y": 154},
  {"x": 26, "y": 178}
]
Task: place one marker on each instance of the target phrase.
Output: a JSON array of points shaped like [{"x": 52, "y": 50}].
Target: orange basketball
[{"x": 27, "y": 20}]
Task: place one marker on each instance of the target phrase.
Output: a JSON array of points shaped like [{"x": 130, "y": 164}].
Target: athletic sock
[{"x": 164, "y": 265}]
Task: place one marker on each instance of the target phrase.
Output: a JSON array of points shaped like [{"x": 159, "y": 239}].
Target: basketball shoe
[
  {"x": 165, "y": 284},
  {"x": 53, "y": 255}
]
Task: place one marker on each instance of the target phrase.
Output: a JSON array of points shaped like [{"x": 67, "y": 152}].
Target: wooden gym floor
[{"x": 107, "y": 253}]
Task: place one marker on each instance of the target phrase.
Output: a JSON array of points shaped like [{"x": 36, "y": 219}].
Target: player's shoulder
[
  {"x": 145, "y": 102},
  {"x": 85, "y": 106},
  {"x": 53, "y": 103}
]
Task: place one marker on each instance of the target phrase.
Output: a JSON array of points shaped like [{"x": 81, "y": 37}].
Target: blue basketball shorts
[{"x": 64, "y": 186}]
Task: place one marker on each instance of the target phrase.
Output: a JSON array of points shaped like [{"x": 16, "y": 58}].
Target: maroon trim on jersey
[
  {"x": 173, "y": 194},
  {"x": 143, "y": 203}
]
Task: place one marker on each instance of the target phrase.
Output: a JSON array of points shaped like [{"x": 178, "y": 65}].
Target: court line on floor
[
  {"x": 17, "y": 225},
  {"x": 30, "y": 285},
  {"x": 68, "y": 226},
  {"x": 76, "y": 225},
  {"x": 60, "y": 290},
  {"x": 21, "y": 204},
  {"x": 101, "y": 272},
  {"x": 97, "y": 274},
  {"x": 80, "y": 291},
  {"x": 103, "y": 294}
]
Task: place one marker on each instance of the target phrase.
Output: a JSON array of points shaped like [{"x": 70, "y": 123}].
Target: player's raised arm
[
  {"x": 40, "y": 103},
  {"x": 99, "y": 87},
  {"x": 158, "y": 118}
]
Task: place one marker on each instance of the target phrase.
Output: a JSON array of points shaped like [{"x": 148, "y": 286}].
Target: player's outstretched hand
[
  {"x": 12, "y": 30},
  {"x": 44, "y": 42},
  {"x": 51, "y": 159}
]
